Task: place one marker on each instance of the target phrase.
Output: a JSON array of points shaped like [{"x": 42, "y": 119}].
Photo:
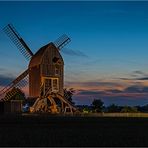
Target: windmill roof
[{"x": 37, "y": 58}]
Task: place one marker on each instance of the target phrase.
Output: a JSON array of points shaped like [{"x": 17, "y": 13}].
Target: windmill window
[
  {"x": 47, "y": 84},
  {"x": 55, "y": 85},
  {"x": 55, "y": 59},
  {"x": 51, "y": 84},
  {"x": 56, "y": 71}
]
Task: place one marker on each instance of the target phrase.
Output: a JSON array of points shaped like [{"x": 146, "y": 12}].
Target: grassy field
[{"x": 73, "y": 131}]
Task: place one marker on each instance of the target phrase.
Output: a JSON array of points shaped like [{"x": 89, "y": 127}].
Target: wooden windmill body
[
  {"x": 46, "y": 74},
  {"x": 46, "y": 71}
]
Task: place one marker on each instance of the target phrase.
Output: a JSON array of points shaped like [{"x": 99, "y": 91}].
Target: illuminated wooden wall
[{"x": 47, "y": 62}]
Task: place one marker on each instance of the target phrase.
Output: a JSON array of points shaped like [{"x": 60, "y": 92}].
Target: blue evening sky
[{"x": 109, "y": 41}]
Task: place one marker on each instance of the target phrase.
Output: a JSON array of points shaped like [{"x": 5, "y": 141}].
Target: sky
[{"x": 107, "y": 57}]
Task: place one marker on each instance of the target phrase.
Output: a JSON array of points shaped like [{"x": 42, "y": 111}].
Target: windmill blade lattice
[
  {"x": 18, "y": 41},
  {"x": 19, "y": 82},
  {"x": 62, "y": 41}
]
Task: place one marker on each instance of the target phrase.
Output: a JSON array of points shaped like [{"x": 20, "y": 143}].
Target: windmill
[{"x": 45, "y": 72}]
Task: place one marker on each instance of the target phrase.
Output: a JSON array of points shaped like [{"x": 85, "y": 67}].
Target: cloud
[
  {"x": 93, "y": 83},
  {"x": 138, "y": 72},
  {"x": 119, "y": 100},
  {"x": 136, "y": 89},
  {"x": 101, "y": 86},
  {"x": 6, "y": 80},
  {"x": 128, "y": 90},
  {"x": 136, "y": 75},
  {"x": 2, "y": 69},
  {"x": 90, "y": 92},
  {"x": 115, "y": 91},
  {"x": 73, "y": 52},
  {"x": 141, "y": 78},
  {"x": 130, "y": 94},
  {"x": 98, "y": 92},
  {"x": 124, "y": 78},
  {"x": 133, "y": 89}
]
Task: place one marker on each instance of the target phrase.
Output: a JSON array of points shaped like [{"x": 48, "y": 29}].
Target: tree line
[{"x": 97, "y": 106}]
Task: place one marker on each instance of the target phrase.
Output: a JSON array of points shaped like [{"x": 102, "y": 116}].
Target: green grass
[{"x": 72, "y": 131}]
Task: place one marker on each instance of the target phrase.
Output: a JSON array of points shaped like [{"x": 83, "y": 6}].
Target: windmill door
[{"x": 51, "y": 85}]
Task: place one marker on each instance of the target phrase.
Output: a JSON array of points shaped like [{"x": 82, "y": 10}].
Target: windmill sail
[
  {"x": 62, "y": 41},
  {"x": 17, "y": 82},
  {"x": 18, "y": 41}
]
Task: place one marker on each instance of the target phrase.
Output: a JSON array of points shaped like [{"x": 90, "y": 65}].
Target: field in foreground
[{"x": 73, "y": 131}]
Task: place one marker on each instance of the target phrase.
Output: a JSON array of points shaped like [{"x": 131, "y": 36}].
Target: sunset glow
[{"x": 107, "y": 57}]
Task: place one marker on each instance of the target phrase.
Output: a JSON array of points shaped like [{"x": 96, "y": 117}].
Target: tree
[
  {"x": 113, "y": 108},
  {"x": 97, "y": 105},
  {"x": 143, "y": 108},
  {"x": 86, "y": 109},
  {"x": 15, "y": 94},
  {"x": 68, "y": 93},
  {"x": 128, "y": 109}
]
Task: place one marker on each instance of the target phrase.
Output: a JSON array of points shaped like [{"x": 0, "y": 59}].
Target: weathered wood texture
[
  {"x": 13, "y": 106},
  {"x": 46, "y": 63}
]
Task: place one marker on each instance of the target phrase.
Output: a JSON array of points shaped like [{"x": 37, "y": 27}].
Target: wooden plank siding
[
  {"x": 34, "y": 81},
  {"x": 42, "y": 65}
]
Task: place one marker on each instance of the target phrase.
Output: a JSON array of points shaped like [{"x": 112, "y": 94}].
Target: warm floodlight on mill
[{"x": 45, "y": 72}]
